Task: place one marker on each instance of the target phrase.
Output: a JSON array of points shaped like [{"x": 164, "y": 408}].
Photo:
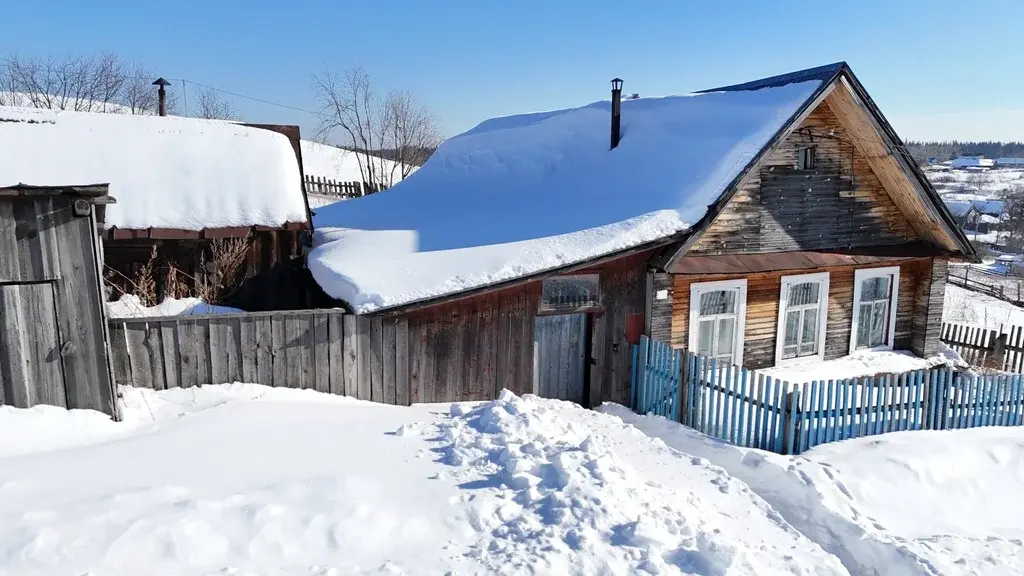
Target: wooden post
[
  {"x": 998, "y": 351},
  {"x": 790, "y": 422}
]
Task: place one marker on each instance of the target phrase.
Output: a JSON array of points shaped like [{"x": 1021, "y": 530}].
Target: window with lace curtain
[{"x": 803, "y": 314}]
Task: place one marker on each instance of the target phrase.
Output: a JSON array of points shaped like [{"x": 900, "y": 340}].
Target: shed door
[
  {"x": 31, "y": 369},
  {"x": 559, "y": 350}
]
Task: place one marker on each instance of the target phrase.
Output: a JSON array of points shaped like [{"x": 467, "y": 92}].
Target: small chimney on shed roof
[
  {"x": 161, "y": 91},
  {"x": 616, "y": 110}
]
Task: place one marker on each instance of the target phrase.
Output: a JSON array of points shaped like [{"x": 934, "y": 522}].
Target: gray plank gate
[
  {"x": 559, "y": 350},
  {"x": 31, "y": 370}
]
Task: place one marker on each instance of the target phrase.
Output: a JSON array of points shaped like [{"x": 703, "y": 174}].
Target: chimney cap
[
  {"x": 161, "y": 82},
  {"x": 616, "y": 83}
]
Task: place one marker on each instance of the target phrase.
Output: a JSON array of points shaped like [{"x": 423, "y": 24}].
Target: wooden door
[
  {"x": 31, "y": 367},
  {"x": 559, "y": 349}
]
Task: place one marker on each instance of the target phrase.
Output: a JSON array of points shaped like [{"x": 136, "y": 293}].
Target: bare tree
[
  {"x": 98, "y": 83},
  {"x": 351, "y": 111},
  {"x": 209, "y": 104}
]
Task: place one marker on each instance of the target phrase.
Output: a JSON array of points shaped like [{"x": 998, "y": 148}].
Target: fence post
[
  {"x": 683, "y": 399},
  {"x": 998, "y": 351},
  {"x": 790, "y": 421}
]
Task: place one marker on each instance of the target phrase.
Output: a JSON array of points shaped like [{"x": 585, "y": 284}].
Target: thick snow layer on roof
[
  {"x": 165, "y": 172},
  {"x": 344, "y": 165},
  {"x": 958, "y": 208},
  {"x": 523, "y": 194}
]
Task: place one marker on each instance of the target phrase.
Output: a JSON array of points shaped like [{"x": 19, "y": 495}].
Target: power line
[{"x": 253, "y": 98}]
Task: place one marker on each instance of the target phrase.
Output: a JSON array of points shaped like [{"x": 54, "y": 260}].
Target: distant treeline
[{"x": 921, "y": 151}]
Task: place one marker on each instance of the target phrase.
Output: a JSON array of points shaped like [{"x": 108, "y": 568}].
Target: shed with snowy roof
[
  {"x": 188, "y": 192},
  {"x": 766, "y": 223}
]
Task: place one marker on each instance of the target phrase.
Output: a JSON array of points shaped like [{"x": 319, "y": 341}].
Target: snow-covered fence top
[{"x": 164, "y": 172}]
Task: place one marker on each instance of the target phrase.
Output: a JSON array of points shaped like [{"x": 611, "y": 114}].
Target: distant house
[
  {"x": 965, "y": 213},
  {"x": 766, "y": 223},
  {"x": 186, "y": 190},
  {"x": 1009, "y": 163},
  {"x": 966, "y": 162},
  {"x": 990, "y": 206}
]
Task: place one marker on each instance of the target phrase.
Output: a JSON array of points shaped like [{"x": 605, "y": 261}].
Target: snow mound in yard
[
  {"x": 527, "y": 193},
  {"x": 904, "y": 503},
  {"x": 555, "y": 489},
  {"x": 245, "y": 479}
]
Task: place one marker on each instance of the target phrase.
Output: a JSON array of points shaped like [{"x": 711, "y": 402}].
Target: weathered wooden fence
[
  {"x": 999, "y": 348},
  {"x": 341, "y": 189},
  {"x": 323, "y": 350},
  {"x": 751, "y": 409}
]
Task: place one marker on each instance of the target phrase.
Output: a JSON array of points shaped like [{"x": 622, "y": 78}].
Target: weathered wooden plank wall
[
  {"x": 44, "y": 241},
  {"x": 307, "y": 349},
  {"x": 780, "y": 208}
]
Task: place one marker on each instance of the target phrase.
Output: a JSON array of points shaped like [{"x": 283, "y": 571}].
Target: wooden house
[
  {"x": 53, "y": 332},
  {"x": 767, "y": 223},
  {"x": 188, "y": 191}
]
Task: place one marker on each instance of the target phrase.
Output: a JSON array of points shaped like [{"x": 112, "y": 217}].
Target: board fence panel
[
  {"x": 323, "y": 350},
  {"x": 750, "y": 409}
]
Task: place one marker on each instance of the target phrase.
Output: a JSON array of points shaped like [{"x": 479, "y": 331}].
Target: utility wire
[{"x": 253, "y": 98}]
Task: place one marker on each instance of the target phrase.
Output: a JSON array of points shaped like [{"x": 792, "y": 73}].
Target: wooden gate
[
  {"x": 31, "y": 370},
  {"x": 559, "y": 350}
]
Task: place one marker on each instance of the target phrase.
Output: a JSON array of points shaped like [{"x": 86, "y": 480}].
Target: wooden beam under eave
[{"x": 904, "y": 193}]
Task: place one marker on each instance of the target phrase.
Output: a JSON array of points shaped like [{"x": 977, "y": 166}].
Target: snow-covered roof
[
  {"x": 164, "y": 172},
  {"x": 972, "y": 162},
  {"x": 986, "y": 219},
  {"x": 959, "y": 209},
  {"x": 343, "y": 165},
  {"x": 520, "y": 195},
  {"x": 1010, "y": 161},
  {"x": 990, "y": 206}
]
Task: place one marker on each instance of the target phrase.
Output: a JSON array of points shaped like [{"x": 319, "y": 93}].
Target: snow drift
[
  {"x": 523, "y": 194},
  {"x": 164, "y": 172},
  {"x": 244, "y": 479}
]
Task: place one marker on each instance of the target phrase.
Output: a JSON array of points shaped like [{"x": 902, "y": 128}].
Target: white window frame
[
  {"x": 858, "y": 278},
  {"x": 822, "y": 278},
  {"x": 698, "y": 288}
]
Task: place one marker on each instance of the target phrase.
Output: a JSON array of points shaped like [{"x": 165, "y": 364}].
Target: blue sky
[{"x": 937, "y": 69}]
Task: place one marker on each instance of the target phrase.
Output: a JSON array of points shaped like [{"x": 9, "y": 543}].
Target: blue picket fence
[{"x": 750, "y": 409}]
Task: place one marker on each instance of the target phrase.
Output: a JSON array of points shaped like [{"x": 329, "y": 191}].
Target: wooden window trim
[
  {"x": 696, "y": 289},
  {"x": 858, "y": 278},
  {"x": 822, "y": 278}
]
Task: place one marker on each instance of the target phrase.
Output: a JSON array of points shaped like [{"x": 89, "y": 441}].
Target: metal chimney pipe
[
  {"x": 616, "y": 110},
  {"x": 161, "y": 92}
]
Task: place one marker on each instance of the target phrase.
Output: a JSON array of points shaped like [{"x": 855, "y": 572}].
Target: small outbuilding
[{"x": 53, "y": 333}]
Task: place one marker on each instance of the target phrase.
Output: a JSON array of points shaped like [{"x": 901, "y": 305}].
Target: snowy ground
[
  {"x": 862, "y": 363},
  {"x": 988, "y": 183},
  {"x": 969, "y": 307},
  {"x": 902, "y": 503},
  {"x": 243, "y": 479},
  {"x": 130, "y": 306}
]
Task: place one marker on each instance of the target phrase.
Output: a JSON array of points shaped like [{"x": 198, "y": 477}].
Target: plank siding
[
  {"x": 661, "y": 310},
  {"x": 840, "y": 203},
  {"x": 44, "y": 241},
  {"x": 763, "y": 291}
]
